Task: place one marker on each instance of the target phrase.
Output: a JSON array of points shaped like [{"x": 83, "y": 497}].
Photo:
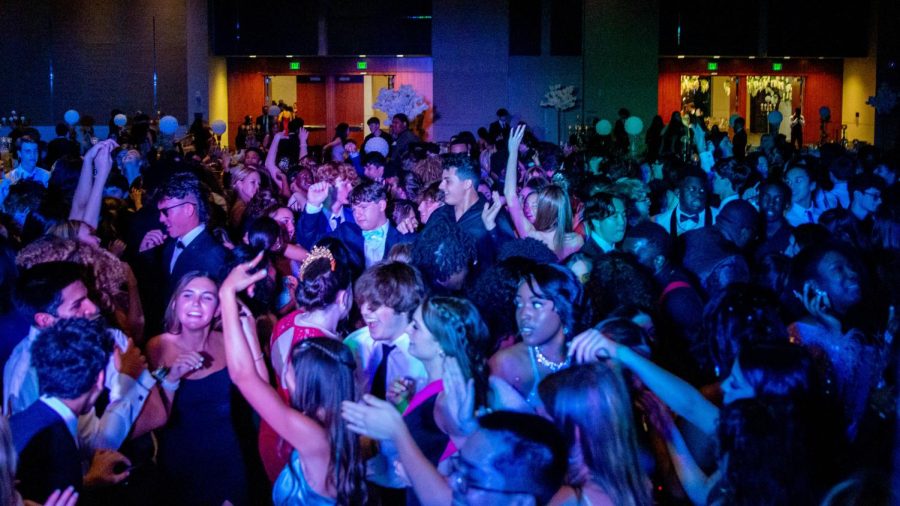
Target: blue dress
[
  {"x": 292, "y": 489},
  {"x": 200, "y": 456}
]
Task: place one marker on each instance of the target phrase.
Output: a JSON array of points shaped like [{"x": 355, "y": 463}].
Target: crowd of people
[{"x": 494, "y": 320}]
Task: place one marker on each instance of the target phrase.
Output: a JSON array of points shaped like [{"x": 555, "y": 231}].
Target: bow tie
[
  {"x": 370, "y": 235},
  {"x": 687, "y": 217}
]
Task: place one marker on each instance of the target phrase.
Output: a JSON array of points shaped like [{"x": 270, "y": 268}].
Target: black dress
[{"x": 200, "y": 456}]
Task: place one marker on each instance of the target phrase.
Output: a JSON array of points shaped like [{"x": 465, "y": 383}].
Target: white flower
[
  {"x": 403, "y": 100},
  {"x": 559, "y": 98}
]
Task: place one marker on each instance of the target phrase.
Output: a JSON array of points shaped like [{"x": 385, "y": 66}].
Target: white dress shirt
[
  {"x": 797, "y": 215},
  {"x": 368, "y": 353},
  {"x": 334, "y": 219},
  {"x": 126, "y": 396}
]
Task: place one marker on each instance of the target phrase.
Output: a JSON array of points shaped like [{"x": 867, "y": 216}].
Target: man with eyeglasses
[
  {"x": 691, "y": 211},
  {"x": 865, "y": 193},
  {"x": 183, "y": 246}
]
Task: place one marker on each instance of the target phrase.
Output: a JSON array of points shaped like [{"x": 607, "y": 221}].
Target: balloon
[
  {"x": 274, "y": 110},
  {"x": 120, "y": 120},
  {"x": 168, "y": 125},
  {"x": 218, "y": 127},
  {"x": 775, "y": 118},
  {"x": 825, "y": 112},
  {"x": 377, "y": 145},
  {"x": 604, "y": 127},
  {"x": 634, "y": 125},
  {"x": 72, "y": 116}
]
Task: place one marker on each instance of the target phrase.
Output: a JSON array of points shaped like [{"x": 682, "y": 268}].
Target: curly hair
[
  {"x": 69, "y": 355},
  {"x": 441, "y": 251},
  {"x": 429, "y": 170},
  {"x": 618, "y": 280},
  {"x": 331, "y": 171},
  {"x": 495, "y": 293},
  {"x": 110, "y": 273},
  {"x": 185, "y": 185}
]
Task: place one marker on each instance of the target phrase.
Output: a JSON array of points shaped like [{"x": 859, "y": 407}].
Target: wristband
[{"x": 170, "y": 386}]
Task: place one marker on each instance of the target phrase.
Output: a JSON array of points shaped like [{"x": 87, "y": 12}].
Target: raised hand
[
  {"x": 153, "y": 239},
  {"x": 459, "y": 396},
  {"x": 490, "y": 212},
  {"x": 303, "y": 134},
  {"x": 185, "y": 364},
  {"x": 129, "y": 362},
  {"x": 372, "y": 417},
  {"x": 318, "y": 193},
  {"x": 818, "y": 305},
  {"x": 67, "y": 497},
  {"x": 515, "y": 138},
  {"x": 400, "y": 391},
  {"x": 591, "y": 345},
  {"x": 408, "y": 225},
  {"x": 240, "y": 278}
]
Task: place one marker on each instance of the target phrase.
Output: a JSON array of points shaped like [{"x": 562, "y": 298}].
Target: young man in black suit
[
  {"x": 70, "y": 358},
  {"x": 370, "y": 237},
  {"x": 185, "y": 245}
]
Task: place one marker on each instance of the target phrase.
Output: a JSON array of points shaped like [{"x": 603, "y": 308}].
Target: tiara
[{"x": 317, "y": 253}]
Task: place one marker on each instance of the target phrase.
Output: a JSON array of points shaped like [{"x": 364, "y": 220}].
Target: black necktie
[
  {"x": 379, "y": 386},
  {"x": 687, "y": 217}
]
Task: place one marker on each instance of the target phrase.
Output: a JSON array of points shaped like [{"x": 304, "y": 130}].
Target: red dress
[{"x": 273, "y": 450}]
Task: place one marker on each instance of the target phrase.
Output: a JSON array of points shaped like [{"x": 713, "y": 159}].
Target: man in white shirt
[
  {"x": 27, "y": 169},
  {"x": 802, "y": 210},
  {"x": 54, "y": 291},
  {"x": 691, "y": 211}
]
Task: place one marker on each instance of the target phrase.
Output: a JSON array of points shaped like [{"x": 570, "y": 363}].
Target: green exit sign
[
  {"x": 295, "y": 65},
  {"x": 777, "y": 67},
  {"x": 362, "y": 65},
  {"x": 712, "y": 66}
]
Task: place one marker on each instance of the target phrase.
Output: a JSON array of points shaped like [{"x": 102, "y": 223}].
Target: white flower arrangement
[
  {"x": 402, "y": 100},
  {"x": 777, "y": 87},
  {"x": 559, "y": 98}
]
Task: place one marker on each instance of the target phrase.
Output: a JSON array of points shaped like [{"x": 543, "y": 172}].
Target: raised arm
[
  {"x": 272, "y": 166},
  {"x": 303, "y": 433},
  {"x": 678, "y": 394},
  {"x": 510, "y": 184},
  {"x": 89, "y": 192}
]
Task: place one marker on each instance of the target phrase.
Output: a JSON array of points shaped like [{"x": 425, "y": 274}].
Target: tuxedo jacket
[
  {"x": 351, "y": 235},
  {"x": 48, "y": 455},
  {"x": 313, "y": 226}
]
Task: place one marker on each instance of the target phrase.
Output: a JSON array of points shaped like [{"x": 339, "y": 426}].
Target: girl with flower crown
[{"x": 549, "y": 308}]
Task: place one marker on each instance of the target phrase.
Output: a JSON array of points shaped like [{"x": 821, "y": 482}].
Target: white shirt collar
[
  {"x": 187, "y": 238},
  {"x": 606, "y": 246},
  {"x": 63, "y": 411}
]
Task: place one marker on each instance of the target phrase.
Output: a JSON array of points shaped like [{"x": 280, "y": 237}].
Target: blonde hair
[
  {"x": 554, "y": 212},
  {"x": 67, "y": 229},
  {"x": 170, "y": 320},
  {"x": 240, "y": 173},
  {"x": 429, "y": 170}
]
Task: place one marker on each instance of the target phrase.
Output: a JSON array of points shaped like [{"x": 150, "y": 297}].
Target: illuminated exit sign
[
  {"x": 362, "y": 65},
  {"x": 777, "y": 67},
  {"x": 295, "y": 65},
  {"x": 713, "y": 66}
]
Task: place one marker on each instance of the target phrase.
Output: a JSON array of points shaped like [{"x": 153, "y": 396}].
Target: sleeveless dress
[
  {"x": 274, "y": 451},
  {"x": 292, "y": 489},
  {"x": 419, "y": 418},
  {"x": 200, "y": 456}
]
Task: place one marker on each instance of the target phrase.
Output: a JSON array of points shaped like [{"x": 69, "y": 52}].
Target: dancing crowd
[{"x": 673, "y": 319}]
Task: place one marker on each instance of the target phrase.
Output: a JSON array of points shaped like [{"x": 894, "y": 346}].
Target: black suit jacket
[
  {"x": 314, "y": 226},
  {"x": 351, "y": 235},
  {"x": 48, "y": 454},
  {"x": 204, "y": 253},
  {"x": 499, "y": 133},
  {"x": 739, "y": 145}
]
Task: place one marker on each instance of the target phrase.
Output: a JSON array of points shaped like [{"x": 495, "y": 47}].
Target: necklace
[{"x": 549, "y": 364}]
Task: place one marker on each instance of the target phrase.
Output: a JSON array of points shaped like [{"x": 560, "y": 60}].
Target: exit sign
[
  {"x": 295, "y": 65},
  {"x": 712, "y": 66},
  {"x": 777, "y": 67},
  {"x": 362, "y": 65}
]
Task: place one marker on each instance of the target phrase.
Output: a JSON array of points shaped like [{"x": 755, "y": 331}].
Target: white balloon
[
  {"x": 72, "y": 116},
  {"x": 168, "y": 125},
  {"x": 274, "y": 110},
  {"x": 775, "y": 118},
  {"x": 604, "y": 127},
  {"x": 218, "y": 127},
  {"x": 120, "y": 120},
  {"x": 634, "y": 125}
]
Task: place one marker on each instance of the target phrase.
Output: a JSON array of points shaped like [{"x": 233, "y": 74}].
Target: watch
[{"x": 160, "y": 374}]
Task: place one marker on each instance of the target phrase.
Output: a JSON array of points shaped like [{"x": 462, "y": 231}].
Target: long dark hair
[
  {"x": 323, "y": 379},
  {"x": 592, "y": 401},
  {"x": 457, "y": 326}
]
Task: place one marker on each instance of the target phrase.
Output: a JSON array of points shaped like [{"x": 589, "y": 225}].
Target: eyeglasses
[
  {"x": 165, "y": 210},
  {"x": 462, "y": 485}
]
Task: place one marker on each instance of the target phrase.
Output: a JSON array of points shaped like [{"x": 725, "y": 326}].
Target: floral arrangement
[
  {"x": 402, "y": 100},
  {"x": 559, "y": 98},
  {"x": 777, "y": 89},
  {"x": 693, "y": 84}
]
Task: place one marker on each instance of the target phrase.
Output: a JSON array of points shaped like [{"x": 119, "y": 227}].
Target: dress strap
[{"x": 537, "y": 375}]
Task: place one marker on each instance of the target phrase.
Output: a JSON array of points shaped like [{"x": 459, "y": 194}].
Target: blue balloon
[
  {"x": 168, "y": 125},
  {"x": 72, "y": 116}
]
